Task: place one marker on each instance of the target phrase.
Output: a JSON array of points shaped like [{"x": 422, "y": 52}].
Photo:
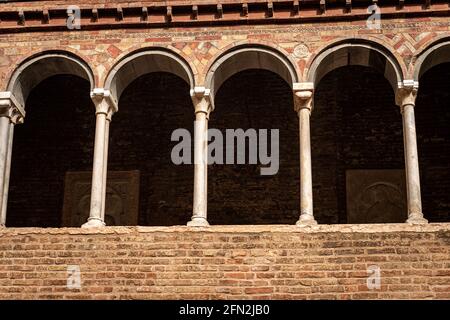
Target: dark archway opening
[
  {"x": 56, "y": 137},
  {"x": 150, "y": 109},
  {"x": 356, "y": 125},
  {"x": 433, "y": 137},
  {"x": 238, "y": 193}
]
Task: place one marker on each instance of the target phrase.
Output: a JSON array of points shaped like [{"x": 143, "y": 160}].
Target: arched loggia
[
  {"x": 432, "y": 72},
  {"x": 356, "y": 135},
  {"x": 57, "y": 136},
  {"x": 152, "y": 91},
  {"x": 251, "y": 89}
]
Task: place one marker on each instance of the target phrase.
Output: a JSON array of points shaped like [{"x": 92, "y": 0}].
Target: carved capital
[
  {"x": 406, "y": 94},
  {"x": 10, "y": 108},
  {"x": 104, "y": 103},
  {"x": 303, "y": 96},
  {"x": 201, "y": 99}
]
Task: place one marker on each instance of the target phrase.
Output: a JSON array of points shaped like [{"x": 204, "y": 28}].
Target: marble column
[
  {"x": 11, "y": 113},
  {"x": 303, "y": 101},
  {"x": 105, "y": 162},
  {"x": 406, "y": 98},
  {"x": 104, "y": 108},
  {"x": 202, "y": 106}
]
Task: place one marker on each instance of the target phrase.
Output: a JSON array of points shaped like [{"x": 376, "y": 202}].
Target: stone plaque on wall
[
  {"x": 376, "y": 196},
  {"x": 122, "y": 198}
]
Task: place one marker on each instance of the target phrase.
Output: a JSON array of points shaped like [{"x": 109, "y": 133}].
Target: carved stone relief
[
  {"x": 376, "y": 196},
  {"x": 122, "y": 198}
]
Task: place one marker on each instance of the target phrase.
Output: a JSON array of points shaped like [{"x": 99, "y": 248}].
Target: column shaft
[
  {"x": 303, "y": 105},
  {"x": 199, "y": 215},
  {"x": 11, "y": 113},
  {"x": 415, "y": 214},
  {"x": 406, "y": 97},
  {"x": 98, "y": 191},
  {"x": 306, "y": 196},
  {"x": 4, "y": 204},
  {"x": 4, "y": 144},
  {"x": 105, "y": 165}
]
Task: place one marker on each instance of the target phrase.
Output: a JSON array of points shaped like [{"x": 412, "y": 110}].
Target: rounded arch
[
  {"x": 249, "y": 56},
  {"x": 356, "y": 52},
  {"x": 434, "y": 54},
  {"x": 37, "y": 68},
  {"x": 146, "y": 61}
]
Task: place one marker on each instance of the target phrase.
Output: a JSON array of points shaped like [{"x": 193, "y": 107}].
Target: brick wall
[{"x": 269, "y": 262}]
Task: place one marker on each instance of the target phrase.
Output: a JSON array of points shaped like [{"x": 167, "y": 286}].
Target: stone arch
[
  {"x": 356, "y": 52},
  {"x": 249, "y": 56},
  {"x": 434, "y": 54},
  {"x": 42, "y": 66},
  {"x": 146, "y": 61}
]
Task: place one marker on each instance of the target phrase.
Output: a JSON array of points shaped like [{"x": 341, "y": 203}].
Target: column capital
[
  {"x": 303, "y": 96},
  {"x": 406, "y": 93},
  {"x": 201, "y": 97},
  {"x": 10, "y": 107},
  {"x": 104, "y": 102}
]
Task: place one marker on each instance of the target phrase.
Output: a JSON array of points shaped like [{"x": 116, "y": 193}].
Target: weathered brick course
[{"x": 168, "y": 263}]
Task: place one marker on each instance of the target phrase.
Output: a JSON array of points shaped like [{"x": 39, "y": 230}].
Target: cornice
[{"x": 52, "y": 15}]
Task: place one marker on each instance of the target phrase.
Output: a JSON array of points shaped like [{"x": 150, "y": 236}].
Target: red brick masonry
[{"x": 227, "y": 262}]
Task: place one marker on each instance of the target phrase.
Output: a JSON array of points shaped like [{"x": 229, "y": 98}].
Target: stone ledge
[{"x": 244, "y": 229}]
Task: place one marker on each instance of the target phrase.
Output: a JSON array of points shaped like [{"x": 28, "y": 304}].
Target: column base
[
  {"x": 306, "y": 220},
  {"x": 93, "y": 223},
  {"x": 198, "y": 222},
  {"x": 416, "y": 218}
]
